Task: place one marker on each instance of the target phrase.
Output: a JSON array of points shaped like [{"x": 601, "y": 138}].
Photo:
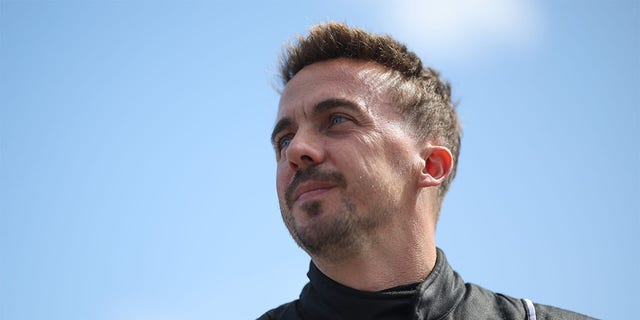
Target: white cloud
[{"x": 463, "y": 27}]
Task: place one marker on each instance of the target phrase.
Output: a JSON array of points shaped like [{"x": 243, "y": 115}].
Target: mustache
[{"x": 315, "y": 174}]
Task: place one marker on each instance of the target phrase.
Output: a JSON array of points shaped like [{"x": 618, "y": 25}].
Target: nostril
[
  {"x": 293, "y": 165},
  {"x": 306, "y": 158}
]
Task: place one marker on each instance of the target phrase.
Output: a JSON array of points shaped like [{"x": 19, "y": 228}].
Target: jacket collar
[
  {"x": 440, "y": 292},
  {"x": 324, "y": 298}
]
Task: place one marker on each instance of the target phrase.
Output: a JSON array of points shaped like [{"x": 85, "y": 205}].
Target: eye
[
  {"x": 337, "y": 118},
  {"x": 284, "y": 142}
]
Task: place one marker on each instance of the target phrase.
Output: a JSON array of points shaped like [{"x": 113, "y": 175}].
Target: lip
[{"x": 310, "y": 189}]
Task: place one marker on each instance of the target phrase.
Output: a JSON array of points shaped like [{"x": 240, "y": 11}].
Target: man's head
[
  {"x": 421, "y": 95},
  {"x": 362, "y": 130}
]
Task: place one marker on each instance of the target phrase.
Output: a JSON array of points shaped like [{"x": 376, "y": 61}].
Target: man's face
[{"x": 346, "y": 164}]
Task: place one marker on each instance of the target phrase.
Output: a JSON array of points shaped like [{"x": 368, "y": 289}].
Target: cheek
[
  {"x": 282, "y": 179},
  {"x": 368, "y": 153}
]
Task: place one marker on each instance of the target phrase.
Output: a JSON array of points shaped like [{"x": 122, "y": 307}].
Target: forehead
[{"x": 356, "y": 80}]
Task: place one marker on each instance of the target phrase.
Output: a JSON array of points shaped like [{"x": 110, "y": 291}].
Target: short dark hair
[{"x": 424, "y": 98}]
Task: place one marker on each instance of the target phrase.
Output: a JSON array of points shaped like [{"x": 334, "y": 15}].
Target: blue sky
[{"x": 137, "y": 178}]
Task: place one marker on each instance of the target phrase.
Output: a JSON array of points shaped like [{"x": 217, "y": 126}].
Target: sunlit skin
[{"x": 356, "y": 190}]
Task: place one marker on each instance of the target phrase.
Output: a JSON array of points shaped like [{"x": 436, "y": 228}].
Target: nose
[{"x": 304, "y": 150}]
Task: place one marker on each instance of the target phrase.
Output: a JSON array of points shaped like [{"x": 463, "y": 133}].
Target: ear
[{"x": 438, "y": 162}]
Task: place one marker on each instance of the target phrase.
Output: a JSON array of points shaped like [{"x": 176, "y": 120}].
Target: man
[{"x": 367, "y": 142}]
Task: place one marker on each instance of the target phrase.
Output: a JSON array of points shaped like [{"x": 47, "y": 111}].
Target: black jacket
[{"x": 443, "y": 295}]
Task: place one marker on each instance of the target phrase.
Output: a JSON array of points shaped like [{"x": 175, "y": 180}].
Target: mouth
[
  {"x": 310, "y": 190},
  {"x": 312, "y": 183}
]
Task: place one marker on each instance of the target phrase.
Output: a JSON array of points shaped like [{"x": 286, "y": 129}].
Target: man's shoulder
[
  {"x": 545, "y": 312},
  {"x": 487, "y": 304},
  {"x": 287, "y": 311}
]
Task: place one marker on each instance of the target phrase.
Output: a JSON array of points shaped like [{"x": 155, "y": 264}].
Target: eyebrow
[{"x": 320, "y": 107}]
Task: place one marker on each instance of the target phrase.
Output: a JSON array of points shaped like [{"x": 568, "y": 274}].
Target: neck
[{"x": 386, "y": 262}]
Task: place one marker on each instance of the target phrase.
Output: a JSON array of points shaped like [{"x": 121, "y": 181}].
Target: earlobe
[{"x": 438, "y": 162}]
